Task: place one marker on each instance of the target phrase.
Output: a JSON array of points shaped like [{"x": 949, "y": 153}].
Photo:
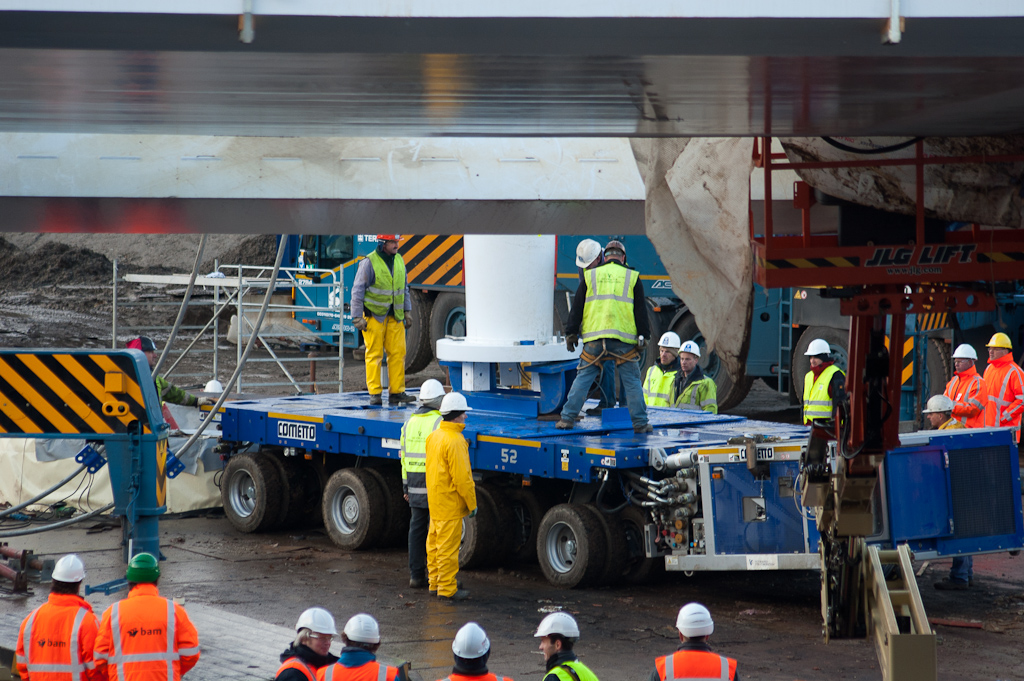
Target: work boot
[
  {"x": 949, "y": 585},
  {"x": 646, "y": 428},
  {"x": 400, "y": 398},
  {"x": 375, "y": 400},
  {"x": 459, "y": 595},
  {"x": 417, "y": 582},
  {"x": 458, "y": 585},
  {"x": 565, "y": 424},
  {"x": 970, "y": 581}
]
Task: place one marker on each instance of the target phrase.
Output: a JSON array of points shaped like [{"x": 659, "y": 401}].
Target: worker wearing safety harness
[
  {"x": 589, "y": 255},
  {"x": 691, "y": 389},
  {"x": 358, "y": 661},
  {"x": 1004, "y": 382},
  {"x": 658, "y": 382},
  {"x": 609, "y": 314},
  {"x": 558, "y": 633},
  {"x": 310, "y": 651},
  {"x": 694, "y": 659},
  {"x": 824, "y": 384},
  {"x": 380, "y": 309},
  {"x": 967, "y": 389},
  {"x": 146, "y": 637},
  {"x": 413, "y": 451},
  {"x": 471, "y": 649},
  {"x": 56, "y": 640}
]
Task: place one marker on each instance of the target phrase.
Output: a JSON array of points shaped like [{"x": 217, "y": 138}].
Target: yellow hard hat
[{"x": 1000, "y": 340}]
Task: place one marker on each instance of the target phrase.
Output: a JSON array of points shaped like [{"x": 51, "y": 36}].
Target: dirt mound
[
  {"x": 255, "y": 250},
  {"x": 52, "y": 264}
]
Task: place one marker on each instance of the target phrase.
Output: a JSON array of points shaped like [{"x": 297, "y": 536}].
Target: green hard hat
[{"x": 143, "y": 568}]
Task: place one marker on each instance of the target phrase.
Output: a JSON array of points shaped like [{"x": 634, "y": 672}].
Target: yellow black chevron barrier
[
  {"x": 432, "y": 260},
  {"x": 45, "y": 392}
]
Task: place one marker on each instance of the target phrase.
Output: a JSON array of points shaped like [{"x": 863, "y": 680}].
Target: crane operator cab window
[{"x": 324, "y": 251}]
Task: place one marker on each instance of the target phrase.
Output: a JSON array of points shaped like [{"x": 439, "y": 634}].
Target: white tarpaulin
[
  {"x": 989, "y": 194},
  {"x": 697, "y": 193}
]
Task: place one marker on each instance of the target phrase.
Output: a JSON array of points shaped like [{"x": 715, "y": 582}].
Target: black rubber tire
[
  {"x": 354, "y": 509},
  {"x": 639, "y": 568},
  {"x": 571, "y": 546},
  {"x": 251, "y": 492},
  {"x": 445, "y": 306},
  {"x": 485, "y": 537},
  {"x": 730, "y": 392},
  {"x": 527, "y": 512},
  {"x": 940, "y": 368},
  {"x": 397, "y": 514},
  {"x": 419, "y": 351},
  {"x": 837, "y": 340},
  {"x": 615, "y": 541}
]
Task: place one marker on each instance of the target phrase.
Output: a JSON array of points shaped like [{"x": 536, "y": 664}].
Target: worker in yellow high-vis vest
[
  {"x": 380, "y": 309},
  {"x": 658, "y": 382},
  {"x": 609, "y": 314},
  {"x": 413, "y": 451},
  {"x": 823, "y": 384}
]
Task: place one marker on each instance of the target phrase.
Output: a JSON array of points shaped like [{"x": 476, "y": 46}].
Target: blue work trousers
[
  {"x": 962, "y": 570},
  {"x": 419, "y": 523},
  {"x": 629, "y": 374}
]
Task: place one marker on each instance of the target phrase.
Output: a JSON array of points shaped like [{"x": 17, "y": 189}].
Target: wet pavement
[{"x": 247, "y": 591}]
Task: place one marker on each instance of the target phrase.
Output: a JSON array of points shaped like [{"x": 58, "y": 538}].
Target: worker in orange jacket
[
  {"x": 358, "y": 661},
  {"x": 56, "y": 640},
  {"x": 1004, "y": 381},
  {"x": 694, "y": 659},
  {"x": 146, "y": 637},
  {"x": 967, "y": 389}
]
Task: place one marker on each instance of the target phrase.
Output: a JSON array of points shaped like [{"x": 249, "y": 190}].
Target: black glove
[
  {"x": 571, "y": 341},
  {"x": 407, "y": 322}
]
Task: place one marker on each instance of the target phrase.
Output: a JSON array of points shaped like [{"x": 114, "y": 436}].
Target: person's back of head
[
  {"x": 68, "y": 573},
  {"x": 471, "y": 649}
]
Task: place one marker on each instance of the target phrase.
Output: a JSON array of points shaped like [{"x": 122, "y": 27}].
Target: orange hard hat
[{"x": 389, "y": 237}]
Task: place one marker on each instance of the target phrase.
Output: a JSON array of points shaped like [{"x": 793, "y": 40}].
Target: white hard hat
[
  {"x": 558, "y": 623},
  {"x": 670, "y": 339},
  {"x": 213, "y": 386},
  {"x": 454, "y": 402},
  {"x": 431, "y": 390},
  {"x": 965, "y": 351},
  {"x": 690, "y": 347},
  {"x": 471, "y": 642},
  {"x": 587, "y": 251},
  {"x": 818, "y": 346},
  {"x": 938, "y": 404},
  {"x": 69, "y": 569},
  {"x": 317, "y": 620},
  {"x": 362, "y": 628},
  {"x": 694, "y": 620}
]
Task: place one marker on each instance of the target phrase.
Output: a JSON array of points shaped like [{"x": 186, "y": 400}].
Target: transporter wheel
[
  {"x": 486, "y": 537},
  {"x": 300, "y": 493},
  {"x": 940, "y": 363},
  {"x": 448, "y": 318},
  {"x": 419, "y": 351},
  {"x": 397, "y": 514},
  {"x": 354, "y": 509},
  {"x": 527, "y": 513},
  {"x": 730, "y": 392},
  {"x": 571, "y": 546},
  {"x": 639, "y": 568},
  {"x": 615, "y": 557},
  {"x": 251, "y": 492}
]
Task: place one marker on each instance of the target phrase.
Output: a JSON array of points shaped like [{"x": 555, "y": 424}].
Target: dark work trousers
[{"x": 419, "y": 523}]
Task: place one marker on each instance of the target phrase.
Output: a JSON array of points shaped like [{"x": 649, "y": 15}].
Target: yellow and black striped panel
[
  {"x": 908, "y": 359},
  {"x": 809, "y": 263},
  {"x": 1010, "y": 256},
  {"x": 932, "y": 321},
  {"x": 43, "y": 393},
  {"x": 432, "y": 260}
]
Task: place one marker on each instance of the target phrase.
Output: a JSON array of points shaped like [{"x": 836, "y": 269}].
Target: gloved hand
[
  {"x": 359, "y": 323},
  {"x": 571, "y": 341},
  {"x": 641, "y": 342},
  {"x": 472, "y": 514},
  {"x": 407, "y": 321},
  {"x": 206, "y": 402}
]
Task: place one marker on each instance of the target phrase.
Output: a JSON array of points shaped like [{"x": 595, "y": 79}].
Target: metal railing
[{"x": 313, "y": 295}]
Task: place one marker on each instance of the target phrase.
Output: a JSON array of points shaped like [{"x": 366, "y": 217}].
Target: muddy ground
[{"x": 56, "y": 294}]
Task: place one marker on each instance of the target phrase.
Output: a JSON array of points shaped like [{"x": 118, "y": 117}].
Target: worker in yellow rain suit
[{"x": 451, "y": 496}]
